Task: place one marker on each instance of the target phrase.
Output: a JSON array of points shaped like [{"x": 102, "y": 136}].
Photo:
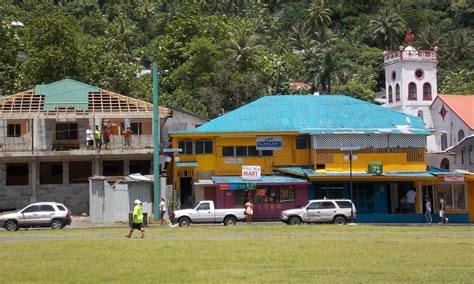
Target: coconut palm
[
  {"x": 461, "y": 46},
  {"x": 320, "y": 14},
  {"x": 387, "y": 28},
  {"x": 243, "y": 45},
  {"x": 430, "y": 37}
]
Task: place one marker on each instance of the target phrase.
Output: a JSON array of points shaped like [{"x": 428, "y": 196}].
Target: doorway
[
  {"x": 186, "y": 192},
  {"x": 427, "y": 191}
]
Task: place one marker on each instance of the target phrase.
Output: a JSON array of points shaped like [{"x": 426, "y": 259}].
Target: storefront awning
[
  {"x": 204, "y": 182},
  {"x": 187, "y": 164},
  {"x": 273, "y": 179},
  {"x": 312, "y": 175}
]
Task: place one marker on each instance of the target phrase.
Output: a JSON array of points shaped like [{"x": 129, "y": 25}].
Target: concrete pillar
[
  {"x": 126, "y": 167},
  {"x": 33, "y": 180},
  {"x": 65, "y": 172},
  {"x": 97, "y": 169},
  {"x": 126, "y": 122},
  {"x": 36, "y": 135}
]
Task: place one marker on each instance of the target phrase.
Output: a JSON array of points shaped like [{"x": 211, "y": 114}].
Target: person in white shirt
[
  {"x": 162, "y": 210},
  {"x": 429, "y": 220},
  {"x": 411, "y": 197},
  {"x": 89, "y": 138}
]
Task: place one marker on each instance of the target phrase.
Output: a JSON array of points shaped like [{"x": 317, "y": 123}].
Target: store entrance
[{"x": 186, "y": 189}]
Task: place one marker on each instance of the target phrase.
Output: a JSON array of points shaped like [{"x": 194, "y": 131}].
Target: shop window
[
  {"x": 241, "y": 151},
  {"x": 136, "y": 128},
  {"x": 412, "y": 91},
  {"x": 66, "y": 131},
  {"x": 252, "y": 151},
  {"x": 390, "y": 94},
  {"x": 267, "y": 153},
  {"x": 186, "y": 147},
  {"x": 13, "y": 130},
  {"x": 51, "y": 173},
  {"x": 397, "y": 92},
  {"x": 197, "y": 147},
  {"x": 79, "y": 172},
  {"x": 274, "y": 194},
  {"x": 17, "y": 174},
  {"x": 228, "y": 151},
  {"x": 208, "y": 147},
  {"x": 454, "y": 195},
  {"x": 444, "y": 141},
  {"x": 363, "y": 195},
  {"x": 140, "y": 167},
  {"x": 302, "y": 142},
  {"x": 112, "y": 168},
  {"x": 427, "y": 92},
  {"x": 460, "y": 135}
]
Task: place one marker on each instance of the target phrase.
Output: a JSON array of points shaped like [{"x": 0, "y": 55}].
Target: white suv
[
  {"x": 337, "y": 211},
  {"x": 41, "y": 214}
]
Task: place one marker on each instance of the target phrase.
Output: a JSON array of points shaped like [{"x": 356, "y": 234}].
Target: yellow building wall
[{"x": 392, "y": 162}]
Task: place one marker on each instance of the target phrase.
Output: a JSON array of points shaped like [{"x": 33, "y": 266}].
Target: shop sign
[
  {"x": 223, "y": 186},
  {"x": 454, "y": 178},
  {"x": 237, "y": 186},
  {"x": 251, "y": 172},
  {"x": 269, "y": 143},
  {"x": 375, "y": 168},
  {"x": 234, "y": 161}
]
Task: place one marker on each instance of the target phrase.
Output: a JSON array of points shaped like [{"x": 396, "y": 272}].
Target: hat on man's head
[{"x": 137, "y": 201}]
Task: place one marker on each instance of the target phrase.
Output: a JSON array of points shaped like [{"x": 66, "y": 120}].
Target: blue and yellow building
[{"x": 307, "y": 147}]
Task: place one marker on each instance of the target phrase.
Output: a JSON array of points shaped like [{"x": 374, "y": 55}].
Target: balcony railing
[
  {"x": 16, "y": 144},
  {"x": 411, "y": 55}
]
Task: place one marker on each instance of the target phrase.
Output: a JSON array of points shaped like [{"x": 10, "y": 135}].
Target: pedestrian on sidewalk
[
  {"x": 429, "y": 220},
  {"x": 442, "y": 210},
  {"x": 162, "y": 210},
  {"x": 137, "y": 219},
  {"x": 249, "y": 211}
]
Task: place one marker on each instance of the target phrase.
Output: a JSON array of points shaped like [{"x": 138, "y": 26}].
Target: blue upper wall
[{"x": 308, "y": 114}]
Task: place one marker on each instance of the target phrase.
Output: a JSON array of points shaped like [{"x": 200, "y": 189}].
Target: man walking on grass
[{"x": 137, "y": 219}]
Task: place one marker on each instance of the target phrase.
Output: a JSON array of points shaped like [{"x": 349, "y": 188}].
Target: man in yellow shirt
[{"x": 137, "y": 219}]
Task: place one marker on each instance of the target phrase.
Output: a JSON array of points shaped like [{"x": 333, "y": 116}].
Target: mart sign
[{"x": 251, "y": 172}]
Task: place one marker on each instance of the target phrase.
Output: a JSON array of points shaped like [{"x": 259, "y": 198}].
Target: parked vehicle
[
  {"x": 41, "y": 214},
  {"x": 205, "y": 212},
  {"x": 337, "y": 211}
]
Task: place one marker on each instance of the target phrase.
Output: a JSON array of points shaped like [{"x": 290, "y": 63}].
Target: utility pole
[{"x": 156, "y": 144}]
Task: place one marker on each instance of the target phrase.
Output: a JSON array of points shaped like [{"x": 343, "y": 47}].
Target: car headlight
[{"x": 283, "y": 213}]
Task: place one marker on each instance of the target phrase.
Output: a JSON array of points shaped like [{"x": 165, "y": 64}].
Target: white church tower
[{"x": 410, "y": 80}]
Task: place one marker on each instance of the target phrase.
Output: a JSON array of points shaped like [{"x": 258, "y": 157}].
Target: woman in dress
[{"x": 249, "y": 211}]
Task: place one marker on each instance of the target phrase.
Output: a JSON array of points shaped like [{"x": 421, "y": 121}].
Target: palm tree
[
  {"x": 145, "y": 10},
  {"x": 461, "y": 46},
  {"x": 243, "y": 45},
  {"x": 320, "y": 14},
  {"x": 430, "y": 37},
  {"x": 300, "y": 37},
  {"x": 387, "y": 28}
]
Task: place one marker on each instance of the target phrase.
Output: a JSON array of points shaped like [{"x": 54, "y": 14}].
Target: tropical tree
[
  {"x": 243, "y": 45},
  {"x": 387, "y": 28},
  {"x": 319, "y": 14}
]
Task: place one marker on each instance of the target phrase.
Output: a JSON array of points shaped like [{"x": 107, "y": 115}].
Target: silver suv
[
  {"x": 337, "y": 211},
  {"x": 41, "y": 214}
]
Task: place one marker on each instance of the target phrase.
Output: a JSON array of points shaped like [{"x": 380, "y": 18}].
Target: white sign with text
[{"x": 251, "y": 172}]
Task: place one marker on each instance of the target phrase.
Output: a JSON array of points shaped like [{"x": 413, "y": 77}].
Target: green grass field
[{"x": 241, "y": 253}]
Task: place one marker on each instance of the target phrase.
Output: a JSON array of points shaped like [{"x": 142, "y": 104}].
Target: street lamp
[{"x": 351, "y": 157}]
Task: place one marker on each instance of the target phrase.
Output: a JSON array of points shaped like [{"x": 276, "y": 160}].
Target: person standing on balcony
[
  {"x": 106, "y": 136},
  {"x": 89, "y": 138},
  {"x": 98, "y": 137},
  {"x": 127, "y": 137}
]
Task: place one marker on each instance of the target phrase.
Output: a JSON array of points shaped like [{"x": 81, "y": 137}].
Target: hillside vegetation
[{"x": 222, "y": 54}]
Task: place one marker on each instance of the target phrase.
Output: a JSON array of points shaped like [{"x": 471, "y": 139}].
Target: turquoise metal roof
[
  {"x": 66, "y": 93},
  {"x": 186, "y": 164},
  {"x": 437, "y": 171},
  {"x": 264, "y": 180},
  {"x": 308, "y": 114},
  {"x": 311, "y": 173}
]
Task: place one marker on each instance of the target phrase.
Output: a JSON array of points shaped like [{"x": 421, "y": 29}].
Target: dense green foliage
[{"x": 222, "y": 54}]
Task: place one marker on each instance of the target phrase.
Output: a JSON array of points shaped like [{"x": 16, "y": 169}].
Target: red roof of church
[{"x": 462, "y": 106}]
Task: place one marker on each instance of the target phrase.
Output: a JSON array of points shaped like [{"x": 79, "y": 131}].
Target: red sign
[{"x": 224, "y": 186}]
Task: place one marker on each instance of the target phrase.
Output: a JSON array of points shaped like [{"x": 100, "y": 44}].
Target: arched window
[
  {"x": 412, "y": 91},
  {"x": 390, "y": 96},
  {"x": 444, "y": 141},
  {"x": 469, "y": 155},
  {"x": 444, "y": 164},
  {"x": 427, "y": 92},
  {"x": 460, "y": 135},
  {"x": 397, "y": 92}
]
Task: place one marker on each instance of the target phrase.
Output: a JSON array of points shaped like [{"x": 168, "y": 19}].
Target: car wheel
[
  {"x": 184, "y": 222},
  {"x": 339, "y": 220},
  {"x": 56, "y": 224},
  {"x": 229, "y": 221},
  {"x": 11, "y": 225},
  {"x": 294, "y": 221}
]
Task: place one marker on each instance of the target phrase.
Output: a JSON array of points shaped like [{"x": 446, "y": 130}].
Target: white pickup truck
[{"x": 205, "y": 212}]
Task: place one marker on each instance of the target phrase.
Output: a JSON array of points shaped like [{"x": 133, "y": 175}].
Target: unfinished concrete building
[{"x": 43, "y": 151}]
